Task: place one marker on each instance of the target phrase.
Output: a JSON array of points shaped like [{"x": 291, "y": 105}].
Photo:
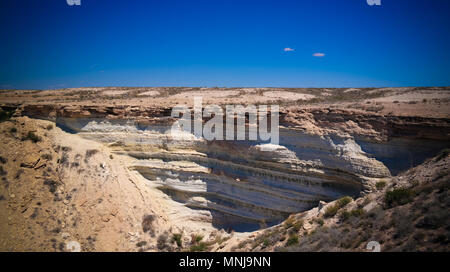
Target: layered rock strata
[
  {"x": 323, "y": 154},
  {"x": 243, "y": 184}
]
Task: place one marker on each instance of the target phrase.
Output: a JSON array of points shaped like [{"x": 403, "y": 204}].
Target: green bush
[
  {"x": 147, "y": 224},
  {"x": 291, "y": 223},
  {"x": 332, "y": 210},
  {"x": 292, "y": 240},
  {"x": 32, "y": 137},
  {"x": 344, "y": 215},
  {"x": 298, "y": 225},
  {"x": 176, "y": 237},
  {"x": 398, "y": 197},
  {"x": 161, "y": 242},
  {"x": 196, "y": 238},
  {"x": 288, "y": 223},
  {"x": 380, "y": 185},
  {"x": 5, "y": 115},
  {"x": 199, "y": 247},
  {"x": 2, "y": 171},
  {"x": 358, "y": 212},
  {"x": 320, "y": 221},
  {"x": 344, "y": 201},
  {"x": 90, "y": 153},
  {"x": 141, "y": 243}
]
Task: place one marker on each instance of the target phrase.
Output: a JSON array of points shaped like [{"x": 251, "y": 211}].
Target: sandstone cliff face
[
  {"x": 324, "y": 154},
  {"x": 242, "y": 184}
]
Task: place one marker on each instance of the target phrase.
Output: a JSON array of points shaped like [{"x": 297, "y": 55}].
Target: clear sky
[{"x": 314, "y": 43}]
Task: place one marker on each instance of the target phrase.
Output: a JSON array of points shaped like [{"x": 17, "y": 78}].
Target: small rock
[
  {"x": 307, "y": 226},
  {"x": 370, "y": 206},
  {"x": 322, "y": 204}
]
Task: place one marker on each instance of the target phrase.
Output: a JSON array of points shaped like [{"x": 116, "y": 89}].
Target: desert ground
[{"x": 95, "y": 169}]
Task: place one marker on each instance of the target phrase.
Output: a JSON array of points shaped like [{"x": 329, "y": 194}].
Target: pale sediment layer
[{"x": 243, "y": 184}]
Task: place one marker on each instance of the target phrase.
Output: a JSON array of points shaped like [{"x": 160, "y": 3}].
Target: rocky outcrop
[{"x": 371, "y": 126}]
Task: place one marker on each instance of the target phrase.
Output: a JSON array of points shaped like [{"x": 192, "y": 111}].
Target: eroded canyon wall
[{"x": 243, "y": 185}]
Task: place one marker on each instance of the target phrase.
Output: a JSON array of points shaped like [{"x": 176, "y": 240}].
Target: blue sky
[{"x": 49, "y": 44}]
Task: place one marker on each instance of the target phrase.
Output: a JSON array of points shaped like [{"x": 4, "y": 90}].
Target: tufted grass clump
[
  {"x": 332, "y": 211},
  {"x": 32, "y": 137},
  {"x": 292, "y": 240},
  {"x": 199, "y": 247},
  {"x": 196, "y": 238},
  {"x": 380, "y": 185},
  {"x": 161, "y": 242},
  {"x": 345, "y": 215},
  {"x": 5, "y": 115},
  {"x": 147, "y": 224},
  {"x": 398, "y": 197},
  {"x": 176, "y": 237}
]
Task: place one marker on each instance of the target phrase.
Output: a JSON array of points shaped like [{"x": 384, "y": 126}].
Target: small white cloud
[
  {"x": 287, "y": 49},
  {"x": 319, "y": 55}
]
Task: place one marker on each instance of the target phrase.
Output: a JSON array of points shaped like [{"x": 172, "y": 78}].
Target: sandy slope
[{"x": 69, "y": 189}]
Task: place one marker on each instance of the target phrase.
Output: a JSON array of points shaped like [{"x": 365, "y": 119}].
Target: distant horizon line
[{"x": 226, "y": 87}]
